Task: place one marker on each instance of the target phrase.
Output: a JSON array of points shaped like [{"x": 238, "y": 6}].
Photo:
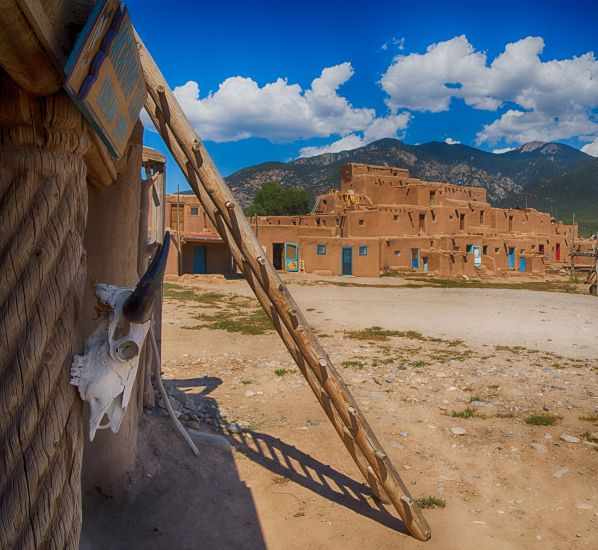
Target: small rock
[
  {"x": 234, "y": 428},
  {"x": 541, "y": 449},
  {"x": 560, "y": 473},
  {"x": 249, "y": 393},
  {"x": 570, "y": 438},
  {"x": 458, "y": 431},
  {"x": 403, "y": 434},
  {"x": 583, "y": 506},
  {"x": 546, "y": 408}
]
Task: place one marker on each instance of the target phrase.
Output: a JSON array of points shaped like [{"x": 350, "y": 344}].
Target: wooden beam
[{"x": 278, "y": 303}]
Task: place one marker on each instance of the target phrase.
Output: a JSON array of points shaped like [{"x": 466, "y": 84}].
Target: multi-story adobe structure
[{"x": 383, "y": 220}]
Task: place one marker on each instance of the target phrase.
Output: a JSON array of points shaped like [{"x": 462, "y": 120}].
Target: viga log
[
  {"x": 43, "y": 212},
  {"x": 323, "y": 378}
]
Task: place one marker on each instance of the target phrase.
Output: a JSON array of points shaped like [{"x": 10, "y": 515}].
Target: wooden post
[
  {"x": 43, "y": 211},
  {"x": 217, "y": 199},
  {"x": 112, "y": 247}
]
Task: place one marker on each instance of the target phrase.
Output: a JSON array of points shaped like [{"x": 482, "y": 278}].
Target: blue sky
[{"x": 419, "y": 71}]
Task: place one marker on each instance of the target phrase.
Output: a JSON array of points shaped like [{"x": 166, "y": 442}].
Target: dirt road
[{"x": 486, "y": 400}]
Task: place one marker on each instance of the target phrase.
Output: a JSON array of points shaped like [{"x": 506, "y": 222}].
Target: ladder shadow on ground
[
  {"x": 293, "y": 464},
  {"x": 284, "y": 459}
]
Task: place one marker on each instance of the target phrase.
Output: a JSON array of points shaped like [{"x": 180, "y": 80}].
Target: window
[
  {"x": 541, "y": 249},
  {"x": 433, "y": 215},
  {"x": 397, "y": 252},
  {"x": 362, "y": 222},
  {"x": 462, "y": 222},
  {"x": 485, "y": 249},
  {"x": 468, "y": 248},
  {"x": 321, "y": 250},
  {"x": 194, "y": 211},
  {"x": 396, "y": 217},
  {"x": 363, "y": 250},
  {"x": 481, "y": 217}
]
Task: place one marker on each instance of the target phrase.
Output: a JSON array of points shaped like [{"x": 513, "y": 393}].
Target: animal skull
[{"x": 106, "y": 372}]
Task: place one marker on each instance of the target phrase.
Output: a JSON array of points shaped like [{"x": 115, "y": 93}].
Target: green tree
[{"x": 274, "y": 199}]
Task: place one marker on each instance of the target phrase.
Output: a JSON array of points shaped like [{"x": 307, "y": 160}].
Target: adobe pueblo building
[{"x": 382, "y": 220}]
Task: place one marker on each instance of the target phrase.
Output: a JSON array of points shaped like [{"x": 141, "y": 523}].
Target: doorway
[
  {"x": 199, "y": 259},
  {"x": 291, "y": 253},
  {"x": 277, "y": 255},
  {"x": 522, "y": 264},
  {"x": 347, "y": 268},
  {"x": 415, "y": 258},
  {"x": 426, "y": 263},
  {"x": 557, "y": 252},
  {"x": 511, "y": 258}
]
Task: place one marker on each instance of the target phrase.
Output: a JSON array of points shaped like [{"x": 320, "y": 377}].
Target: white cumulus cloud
[
  {"x": 553, "y": 99},
  {"x": 591, "y": 148},
  {"x": 279, "y": 111},
  {"x": 451, "y": 141},
  {"x": 383, "y": 127},
  {"x": 502, "y": 150}
]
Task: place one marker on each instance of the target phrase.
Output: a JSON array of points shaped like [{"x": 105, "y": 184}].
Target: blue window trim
[
  {"x": 363, "y": 250},
  {"x": 321, "y": 250}
]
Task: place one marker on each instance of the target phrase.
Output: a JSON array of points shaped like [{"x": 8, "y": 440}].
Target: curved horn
[{"x": 138, "y": 307}]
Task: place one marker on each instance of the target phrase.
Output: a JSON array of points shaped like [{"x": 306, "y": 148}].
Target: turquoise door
[
  {"x": 415, "y": 258},
  {"x": 199, "y": 259},
  {"x": 347, "y": 260},
  {"x": 511, "y": 258},
  {"x": 522, "y": 264},
  {"x": 291, "y": 252}
]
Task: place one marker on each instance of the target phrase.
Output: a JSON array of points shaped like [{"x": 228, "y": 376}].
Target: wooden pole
[{"x": 217, "y": 199}]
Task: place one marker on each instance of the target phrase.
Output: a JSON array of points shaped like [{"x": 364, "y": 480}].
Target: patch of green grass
[
  {"x": 372, "y": 333},
  {"x": 418, "y": 364},
  {"x": 512, "y": 349},
  {"x": 542, "y": 286},
  {"x": 386, "y": 361},
  {"x": 254, "y": 323},
  {"x": 444, "y": 356},
  {"x": 175, "y": 292},
  {"x": 542, "y": 419},
  {"x": 430, "y": 502},
  {"x": 353, "y": 364},
  {"x": 466, "y": 413},
  {"x": 282, "y": 372}
]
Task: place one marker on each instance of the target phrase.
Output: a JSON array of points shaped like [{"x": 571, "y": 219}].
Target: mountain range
[{"x": 552, "y": 177}]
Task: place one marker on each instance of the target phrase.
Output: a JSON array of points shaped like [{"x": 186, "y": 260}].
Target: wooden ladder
[{"x": 313, "y": 362}]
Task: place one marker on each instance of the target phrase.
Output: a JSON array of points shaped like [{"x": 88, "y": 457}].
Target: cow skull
[{"x": 106, "y": 372}]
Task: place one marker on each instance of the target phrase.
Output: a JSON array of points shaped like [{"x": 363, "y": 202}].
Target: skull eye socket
[{"x": 127, "y": 350}]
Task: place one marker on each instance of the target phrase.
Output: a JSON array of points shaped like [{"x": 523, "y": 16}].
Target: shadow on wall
[{"x": 183, "y": 502}]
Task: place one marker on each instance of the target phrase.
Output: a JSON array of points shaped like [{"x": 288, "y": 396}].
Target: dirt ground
[{"x": 486, "y": 400}]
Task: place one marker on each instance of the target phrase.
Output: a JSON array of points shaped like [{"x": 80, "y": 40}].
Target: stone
[
  {"x": 539, "y": 448},
  {"x": 458, "y": 431},
  {"x": 560, "y": 473},
  {"x": 249, "y": 393},
  {"x": 234, "y": 428},
  {"x": 570, "y": 438}
]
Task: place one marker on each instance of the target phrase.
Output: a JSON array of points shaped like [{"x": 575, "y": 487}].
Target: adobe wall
[{"x": 331, "y": 262}]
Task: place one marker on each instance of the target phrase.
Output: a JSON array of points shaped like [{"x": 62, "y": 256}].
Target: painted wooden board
[{"x": 104, "y": 76}]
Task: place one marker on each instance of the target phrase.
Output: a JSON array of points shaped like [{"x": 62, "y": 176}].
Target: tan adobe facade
[
  {"x": 197, "y": 246},
  {"x": 383, "y": 220}
]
